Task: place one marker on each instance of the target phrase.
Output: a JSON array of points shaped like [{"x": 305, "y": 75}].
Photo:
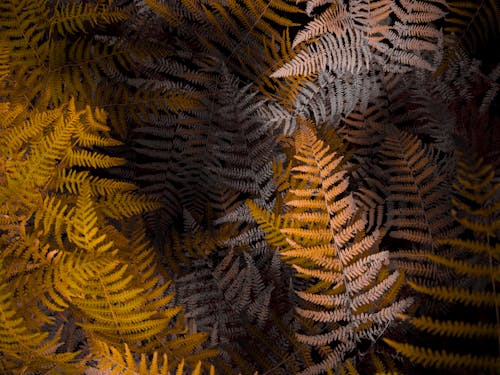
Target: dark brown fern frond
[
  {"x": 418, "y": 198},
  {"x": 418, "y": 205},
  {"x": 470, "y": 25},
  {"x": 232, "y": 31},
  {"x": 476, "y": 262}
]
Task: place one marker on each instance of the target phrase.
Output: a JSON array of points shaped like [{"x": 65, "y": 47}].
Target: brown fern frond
[
  {"x": 477, "y": 263},
  {"x": 469, "y": 25},
  {"x": 419, "y": 202}
]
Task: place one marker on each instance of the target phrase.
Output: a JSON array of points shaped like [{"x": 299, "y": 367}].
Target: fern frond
[
  {"x": 392, "y": 35},
  {"x": 469, "y": 25},
  {"x": 32, "y": 128},
  {"x": 269, "y": 223},
  {"x": 347, "y": 52},
  {"x": 465, "y": 296},
  {"x": 474, "y": 246},
  {"x": 476, "y": 262},
  {"x": 235, "y": 31},
  {"x": 53, "y": 219},
  {"x": 117, "y": 308},
  {"x": 127, "y": 204},
  {"x": 26, "y": 348},
  {"x": 83, "y": 231},
  {"x": 117, "y": 313},
  {"x": 444, "y": 359},
  {"x": 454, "y": 328},
  {"x": 4, "y": 60},
  {"x": 113, "y": 361},
  {"x": 74, "y": 18},
  {"x": 24, "y": 27},
  {"x": 334, "y": 19},
  {"x": 419, "y": 200},
  {"x": 466, "y": 268},
  {"x": 326, "y": 244},
  {"x": 71, "y": 181},
  {"x": 84, "y": 158}
]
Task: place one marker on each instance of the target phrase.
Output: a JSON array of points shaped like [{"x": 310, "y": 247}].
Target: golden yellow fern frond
[
  {"x": 278, "y": 53},
  {"x": 48, "y": 233},
  {"x": 384, "y": 364},
  {"x": 116, "y": 312},
  {"x": 52, "y": 137},
  {"x": 116, "y": 305},
  {"x": 127, "y": 204},
  {"x": 143, "y": 264},
  {"x": 77, "y": 17},
  {"x": 10, "y": 113},
  {"x": 444, "y": 359},
  {"x": 21, "y": 131},
  {"x": 25, "y": 348},
  {"x": 168, "y": 14},
  {"x": 269, "y": 223},
  {"x": 347, "y": 368},
  {"x": 477, "y": 204},
  {"x": 53, "y": 218},
  {"x": 71, "y": 181},
  {"x": 110, "y": 360},
  {"x": 47, "y": 65},
  {"x": 466, "y": 267},
  {"x": 474, "y": 246},
  {"x": 24, "y": 24},
  {"x": 454, "y": 328},
  {"x": 24, "y": 27},
  {"x": 83, "y": 230},
  {"x": 4, "y": 59},
  {"x": 464, "y": 296},
  {"x": 381, "y": 366},
  {"x": 61, "y": 274},
  {"x": 84, "y": 158}
]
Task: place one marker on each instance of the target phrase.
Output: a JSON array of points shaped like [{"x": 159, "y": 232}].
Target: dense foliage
[{"x": 249, "y": 186}]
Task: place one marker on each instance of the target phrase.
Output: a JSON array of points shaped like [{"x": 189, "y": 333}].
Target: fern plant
[
  {"x": 470, "y": 25},
  {"x": 205, "y": 96},
  {"x": 348, "y": 39},
  {"x": 24, "y": 346},
  {"x": 55, "y": 245},
  {"x": 234, "y": 32},
  {"x": 351, "y": 296},
  {"x": 418, "y": 201},
  {"x": 112, "y": 360},
  {"x": 39, "y": 67},
  {"x": 476, "y": 259}
]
